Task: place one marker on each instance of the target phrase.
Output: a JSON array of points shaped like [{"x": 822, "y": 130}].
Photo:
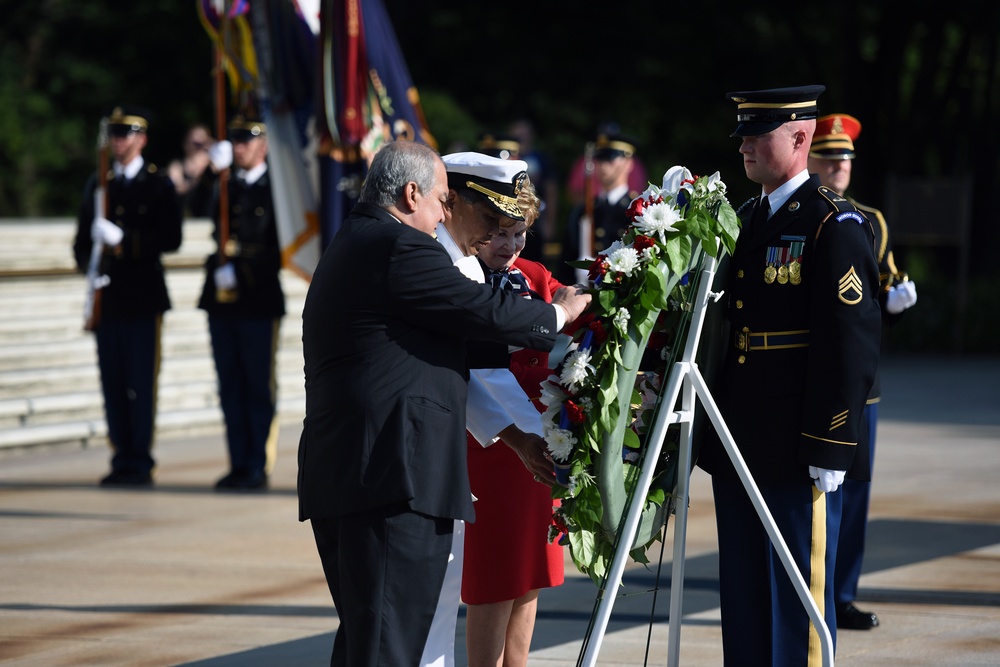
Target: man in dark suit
[
  {"x": 245, "y": 303},
  {"x": 141, "y": 221},
  {"x": 382, "y": 457},
  {"x": 802, "y": 295}
]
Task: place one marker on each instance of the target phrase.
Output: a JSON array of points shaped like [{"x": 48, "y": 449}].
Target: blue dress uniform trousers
[
  {"x": 762, "y": 617},
  {"x": 244, "y": 350},
  {"x": 128, "y": 354}
]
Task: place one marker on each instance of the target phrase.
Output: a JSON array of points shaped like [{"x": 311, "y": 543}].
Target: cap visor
[{"x": 754, "y": 129}]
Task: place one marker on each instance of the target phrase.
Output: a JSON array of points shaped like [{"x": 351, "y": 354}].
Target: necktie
[{"x": 760, "y": 215}]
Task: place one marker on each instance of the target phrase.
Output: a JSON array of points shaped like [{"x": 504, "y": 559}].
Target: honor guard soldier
[
  {"x": 245, "y": 304},
  {"x": 831, "y": 158},
  {"x": 130, "y": 215},
  {"x": 802, "y": 303},
  {"x": 606, "y": 209}
]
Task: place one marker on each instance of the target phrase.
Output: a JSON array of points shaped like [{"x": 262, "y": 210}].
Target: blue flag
[{"x": 367, "y": 99}]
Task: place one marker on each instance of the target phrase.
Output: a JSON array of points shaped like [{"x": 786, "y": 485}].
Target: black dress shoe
[
  {"x": 227, "y": 482},
  {"x": 242, "y": 481},
  {"x": 125, "y": 478},
  {"x": 850, "y": 617}
]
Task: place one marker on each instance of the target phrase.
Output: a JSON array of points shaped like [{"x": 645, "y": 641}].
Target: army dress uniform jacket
[
  {"x": 149, "y": 212},
  {"x": 384, "y": 331},
  {"x": 795, "y": 397},
  {"x": 254, "y": 250}
]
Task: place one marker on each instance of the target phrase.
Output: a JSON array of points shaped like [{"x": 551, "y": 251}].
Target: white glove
[
  {"x": 901, "y": 297},
  {"x": 106, "y": 232},
  {"x": 225, "y": 277},
  {"x": 827, "y": 480},
  {"x": 221, "y": 155}
]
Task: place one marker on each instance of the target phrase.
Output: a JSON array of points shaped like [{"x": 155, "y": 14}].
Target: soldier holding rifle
[{"x": 140, "y": 221}]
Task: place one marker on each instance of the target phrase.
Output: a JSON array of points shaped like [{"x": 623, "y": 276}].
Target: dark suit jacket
[
  {"x": 788, "y": 409},
  {"x": 384, "y": 332}
]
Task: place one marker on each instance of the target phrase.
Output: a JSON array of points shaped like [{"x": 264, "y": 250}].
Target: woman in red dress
[{"x": 507, "y": 554}]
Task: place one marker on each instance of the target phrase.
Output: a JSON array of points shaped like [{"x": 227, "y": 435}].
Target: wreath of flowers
[{"x": 600, "y": 403}]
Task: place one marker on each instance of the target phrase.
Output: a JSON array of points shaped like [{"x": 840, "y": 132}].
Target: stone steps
[{"x": 49, "y": 383}]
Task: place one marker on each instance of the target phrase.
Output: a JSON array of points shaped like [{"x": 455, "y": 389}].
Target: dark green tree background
[{"x": 922, "y": 77}]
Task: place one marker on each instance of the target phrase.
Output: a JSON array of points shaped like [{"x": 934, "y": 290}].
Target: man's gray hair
[{"x": 396, "y": 164}]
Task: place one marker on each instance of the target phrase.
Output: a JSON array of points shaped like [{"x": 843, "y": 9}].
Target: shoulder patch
[{"x": 851, "y": 215}]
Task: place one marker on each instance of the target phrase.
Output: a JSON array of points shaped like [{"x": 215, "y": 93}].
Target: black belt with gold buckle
[{"x": 747, "y": 340}]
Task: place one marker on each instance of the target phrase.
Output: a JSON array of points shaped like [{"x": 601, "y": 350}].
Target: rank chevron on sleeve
[{"x": 850, "y": 285}]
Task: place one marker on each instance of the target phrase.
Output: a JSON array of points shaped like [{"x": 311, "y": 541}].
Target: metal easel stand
[{"x": 685, "y": 375}]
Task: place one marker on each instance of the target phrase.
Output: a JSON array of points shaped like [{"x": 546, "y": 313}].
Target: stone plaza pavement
[{"x": 182, "y": 575}]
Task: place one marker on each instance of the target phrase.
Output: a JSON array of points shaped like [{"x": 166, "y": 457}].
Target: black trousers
[
  {"x": 128, "y": 355},
  {"x": 384, "y": 568}
]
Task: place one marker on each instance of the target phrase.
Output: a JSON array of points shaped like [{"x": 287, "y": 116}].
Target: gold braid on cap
[{"x": 506, "y": 204}]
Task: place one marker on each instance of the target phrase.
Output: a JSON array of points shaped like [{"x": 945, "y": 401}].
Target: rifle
[
  {"x": 587, "y": 219},
  {"x": 95, "y": 281}
]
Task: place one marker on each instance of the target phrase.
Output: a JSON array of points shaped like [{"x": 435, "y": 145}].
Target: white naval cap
[{"x": 499, "y": 181}]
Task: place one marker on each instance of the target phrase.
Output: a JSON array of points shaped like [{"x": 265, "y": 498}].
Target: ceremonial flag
[
  {"x": 270, "y": 57},
  {"x": 288, "y": 53},
  {"x": 367, "y": 99}
]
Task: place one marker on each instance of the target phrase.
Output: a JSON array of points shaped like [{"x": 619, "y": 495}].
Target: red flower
[
  {"x": 574, "y": 412},
  {"x": 637, "y": 207},
  {"x": 597, "y": 268},
  {"x": 642, "y": 242}
]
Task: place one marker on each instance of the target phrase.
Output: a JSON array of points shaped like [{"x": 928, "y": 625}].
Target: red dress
[{"x": 507, "y": 552}]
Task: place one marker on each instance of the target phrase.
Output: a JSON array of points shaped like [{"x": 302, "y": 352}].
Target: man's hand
[
  {"x": 221, "y": 155},
  {"x": 225, "y": 277},
  {"x": 106, "y": 232},
  {"x": 901, "y": 296},
  {"x": 532, "y": 451},
  {"x": 826, "y": 480},
  {"x": 573, "y": 300}
]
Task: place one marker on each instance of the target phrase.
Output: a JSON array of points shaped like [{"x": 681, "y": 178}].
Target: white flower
[
  {"x": 560, "y": 443},
  {"x": 657, "y": 220},
  {"x": 614, "y": 247},
  {"x": 673, "y": 179},
  {"x": 651, "y": 194},
  {"x": 621, "y": 320},
  {"x": 623, "y": 260},
  {"x": 650, "y": 254},
  {"x": 576, "y": 370},
  {"x": 715, "y": 183},
  {"x": 552, "y": 393}
]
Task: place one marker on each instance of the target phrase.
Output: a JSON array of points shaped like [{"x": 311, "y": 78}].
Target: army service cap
[
  {"x": 834, "y": 137},
  {"x": 244, "y": 129},
  {"x": 504, "y": 146},
  {"x": 609, "y": 145},
  {"x": 497, "y": 180},
  {"x": 761, "y": 111},
  {"x": 125, "y": 119}
]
